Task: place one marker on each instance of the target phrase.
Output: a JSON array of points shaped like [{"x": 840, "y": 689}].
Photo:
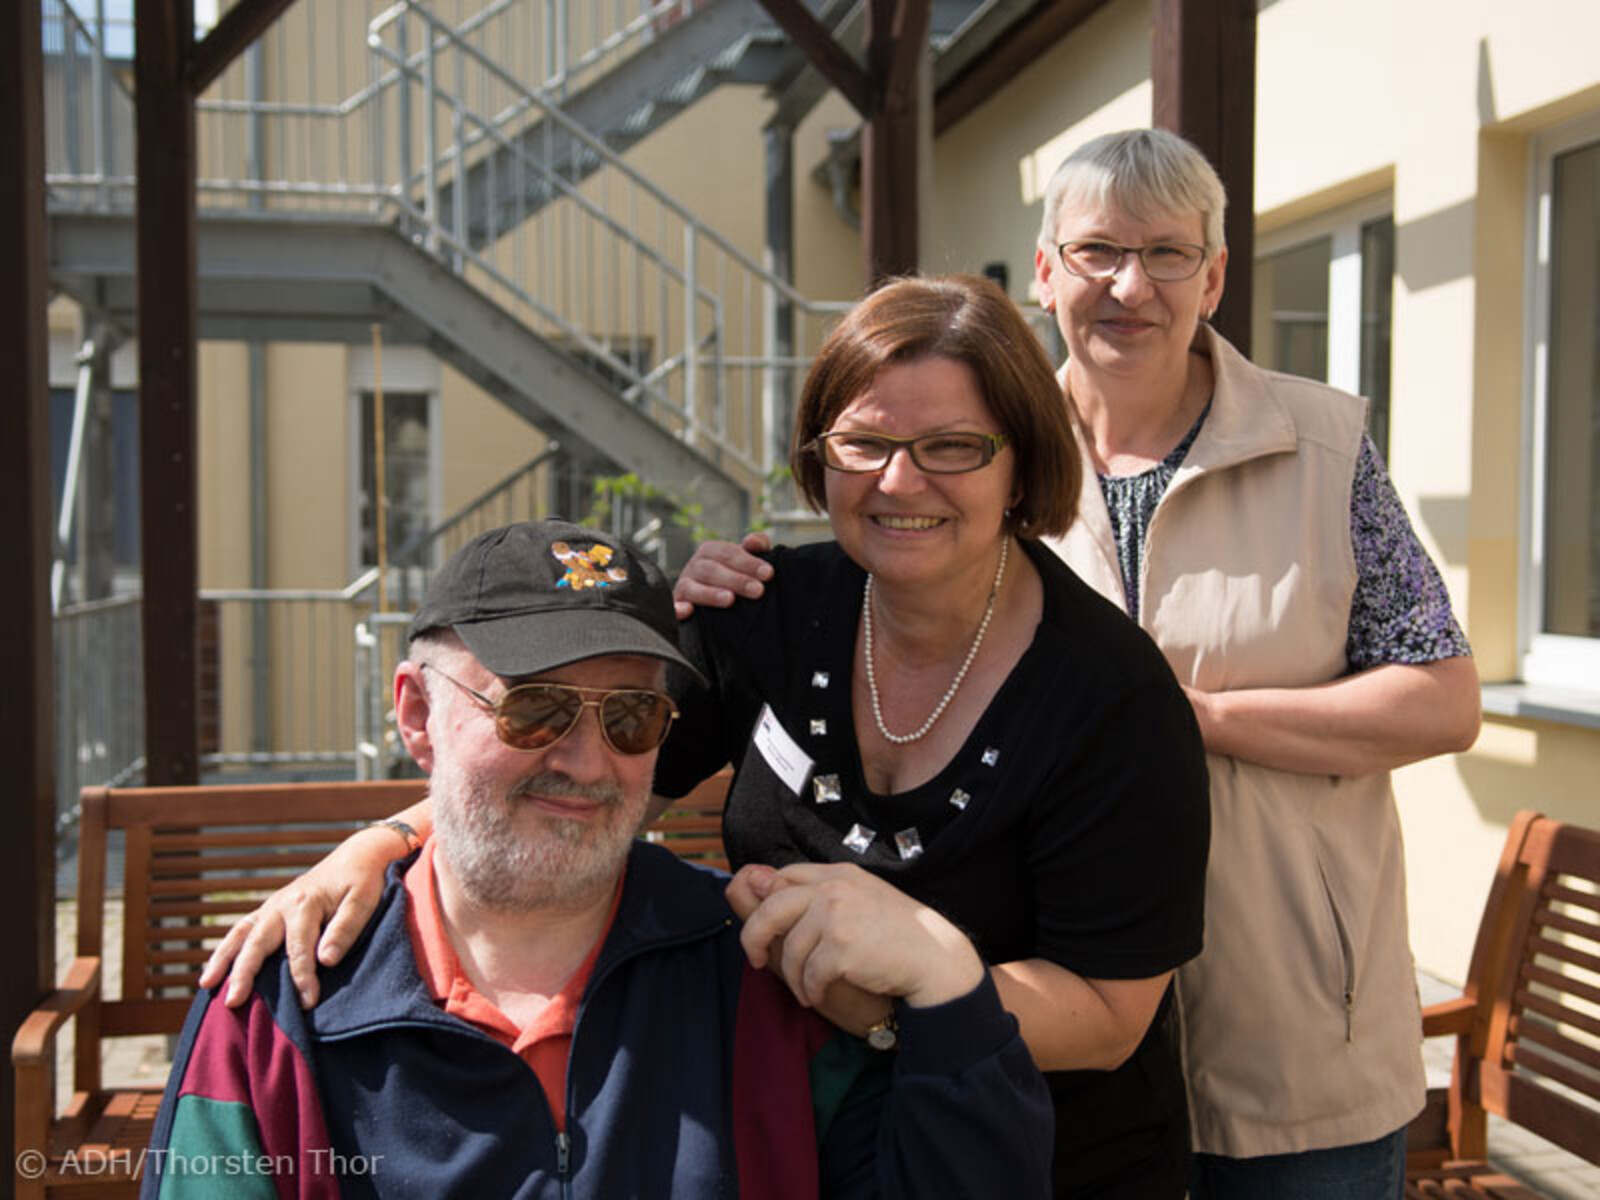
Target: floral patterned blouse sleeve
[{"x": 1400, "y": 612}]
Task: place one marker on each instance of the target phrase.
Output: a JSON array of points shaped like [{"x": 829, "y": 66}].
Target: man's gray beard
[{"x": 505, "y": 867}]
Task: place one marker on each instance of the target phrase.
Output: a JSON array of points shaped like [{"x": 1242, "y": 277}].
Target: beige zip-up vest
[{"x": 1300, "y": 1022}]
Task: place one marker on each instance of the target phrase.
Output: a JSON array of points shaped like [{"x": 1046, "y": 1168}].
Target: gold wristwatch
[{"x": 884, "y": 1034}]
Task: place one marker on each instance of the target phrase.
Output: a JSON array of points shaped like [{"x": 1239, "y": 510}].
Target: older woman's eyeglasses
[
  {"x": 1164, "y": 262},
  {"x": 535, "y": 716},
  {"x": 935, "y": 453}
]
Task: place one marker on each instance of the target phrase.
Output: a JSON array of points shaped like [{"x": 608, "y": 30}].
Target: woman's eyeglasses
[
  {"x": 535, "y": 716},
  {"x": 935, "y": 453},
  {"x": 1164, "y": 262}
]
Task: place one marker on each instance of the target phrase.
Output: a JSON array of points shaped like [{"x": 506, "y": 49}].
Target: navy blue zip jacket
[{"x": 691, "y": 1075}]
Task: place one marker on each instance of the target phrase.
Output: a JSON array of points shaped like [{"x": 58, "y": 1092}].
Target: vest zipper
[
  {"x": 563, "y": 1153},
  {"x": 1347, "y": 955}
]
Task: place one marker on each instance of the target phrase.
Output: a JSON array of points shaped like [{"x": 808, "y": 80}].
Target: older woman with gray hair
[{"x": 1245, "y": 520}]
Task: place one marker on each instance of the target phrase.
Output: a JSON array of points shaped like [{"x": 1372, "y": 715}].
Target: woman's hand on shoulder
[
  {"x": 342, "y": 891},
  {"x": 721, "y": 572}
]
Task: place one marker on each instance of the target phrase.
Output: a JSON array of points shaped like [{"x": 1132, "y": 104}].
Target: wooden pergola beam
[
  {"x": 167, "y": 287},
  {"x": 27, "y": 702},
  {"x": 240, "y": 26},
  {"x": 837, "y": 65},
  {"x": 170, "y": 71},
  {"x": 1046, "y": 24},
  {"x": 1203, "y": 72},
  {"x": 891, "y": 202},
  {"x": 885, "y": 93}
]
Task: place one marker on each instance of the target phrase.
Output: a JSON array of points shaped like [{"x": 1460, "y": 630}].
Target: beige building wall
[
  {"x": 481, "y": 441},
  {"x": 991, "y": 168}
]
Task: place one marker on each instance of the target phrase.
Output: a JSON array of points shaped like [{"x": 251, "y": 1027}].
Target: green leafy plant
[{"x": 611, "y": 490}]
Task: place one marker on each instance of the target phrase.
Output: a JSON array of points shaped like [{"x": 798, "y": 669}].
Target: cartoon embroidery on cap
[{"x": 586, "y": 568}]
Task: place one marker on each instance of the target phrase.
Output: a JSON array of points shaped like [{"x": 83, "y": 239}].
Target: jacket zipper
[{"x": 563, "y": 1141}]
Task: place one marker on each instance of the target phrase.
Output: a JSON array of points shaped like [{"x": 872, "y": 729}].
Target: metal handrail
[
  {"x": 410, "y": 554},
  {"x": 594, "y": 144},
  {"x": 691, "y": 371}
]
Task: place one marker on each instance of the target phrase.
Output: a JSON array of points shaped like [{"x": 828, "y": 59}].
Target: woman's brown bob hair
[{"x": 970, "y": 320}]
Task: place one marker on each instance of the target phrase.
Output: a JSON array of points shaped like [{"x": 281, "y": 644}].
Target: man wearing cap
[{"x": 545, "y": 1005}]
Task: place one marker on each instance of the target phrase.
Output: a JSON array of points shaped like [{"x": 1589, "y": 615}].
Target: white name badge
[{"x": 788, "y": 762}]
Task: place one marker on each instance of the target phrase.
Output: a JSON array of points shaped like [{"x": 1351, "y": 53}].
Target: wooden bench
[
  {"x": 1527, "y": 1026},
  {"x": 194, "y": 860}
]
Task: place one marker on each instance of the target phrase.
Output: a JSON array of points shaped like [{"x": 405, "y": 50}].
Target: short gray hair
[
  {"x": 441, "y": 648},
  {"x": 1145, "y": 173}
]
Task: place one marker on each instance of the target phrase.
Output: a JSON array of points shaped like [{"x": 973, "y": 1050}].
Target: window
[
  {"x": 408, "y": 472},
  {"x": 1562, "y": 535},
  {"x": 1323, "y": 294}
]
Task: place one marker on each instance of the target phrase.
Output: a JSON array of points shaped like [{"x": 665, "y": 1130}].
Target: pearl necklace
[{"x": 950, "y": 694}]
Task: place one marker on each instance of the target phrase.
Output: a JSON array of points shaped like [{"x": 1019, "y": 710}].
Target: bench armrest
[
  {"x": 1449, "y": 1017},
  {"x": 36, "y": 1038}
]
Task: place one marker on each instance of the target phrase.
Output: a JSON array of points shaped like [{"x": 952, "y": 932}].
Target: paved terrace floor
[{"x": 143, "y": 1062}]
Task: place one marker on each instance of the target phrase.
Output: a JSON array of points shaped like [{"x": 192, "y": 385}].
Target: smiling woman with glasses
[
  {"x": 935, "y": 698},
  {"x": 1245, "y": 520}
]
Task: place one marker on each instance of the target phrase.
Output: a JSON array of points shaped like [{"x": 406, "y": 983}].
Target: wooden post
[
  {"x": 897, "y": 44},
  {"x": 1203, "y": 73},
  {"x": 168, "y": 438},
  {"x": 380, "y": 484},
  {"x": 886, "y": 96},
  {"x": 27, "y": 702}
]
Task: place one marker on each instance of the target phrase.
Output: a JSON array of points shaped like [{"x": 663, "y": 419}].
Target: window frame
[
  {"x": 1547, "y": 659},
  {"x": 407, "y": 370},
  {"x": 1342, "y": 226}
]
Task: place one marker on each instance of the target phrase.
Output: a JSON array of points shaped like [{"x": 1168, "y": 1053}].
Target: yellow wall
[
  {"x": 827, "y": 254},
  {"x": 991, "y": 168},
  {"x": 481, "y": 441}
]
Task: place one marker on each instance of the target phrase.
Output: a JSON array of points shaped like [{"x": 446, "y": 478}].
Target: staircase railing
[
  {"x": 523, "y": 495},
  {"x": 599, "y": 260}
]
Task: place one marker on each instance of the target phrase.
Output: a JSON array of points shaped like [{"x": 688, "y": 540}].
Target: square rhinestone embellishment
[
  {"x": 859, "y": 838},
  {"x": 991, "y": 756},
  {"x": 819, "y": 727},
  {"x": 825, "y": 789},
  {"x": 819, "y": 679},
  {"x": 959, "y": 798},
  {"x": 909, "y": 843}
]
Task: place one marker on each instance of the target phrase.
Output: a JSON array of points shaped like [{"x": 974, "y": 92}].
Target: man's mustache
[{"x": 553, "y": 783}]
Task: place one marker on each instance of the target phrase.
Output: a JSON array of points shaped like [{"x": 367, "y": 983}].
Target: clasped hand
[{"x": 843, "y": 939}]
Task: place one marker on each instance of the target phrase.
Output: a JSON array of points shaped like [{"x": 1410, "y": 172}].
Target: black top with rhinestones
[{"x": 1072, "y": 825}]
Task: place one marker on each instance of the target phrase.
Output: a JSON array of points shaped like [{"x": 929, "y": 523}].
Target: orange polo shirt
[{"x": 543, "y": 1045}]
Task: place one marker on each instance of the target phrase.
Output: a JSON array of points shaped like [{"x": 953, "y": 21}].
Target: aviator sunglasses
[{"x": 535, "y": 716}]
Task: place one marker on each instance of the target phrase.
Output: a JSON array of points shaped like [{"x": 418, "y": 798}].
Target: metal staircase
[
  {"x": 454, "y": 170},
  {"x": 607, "y": 314}
]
